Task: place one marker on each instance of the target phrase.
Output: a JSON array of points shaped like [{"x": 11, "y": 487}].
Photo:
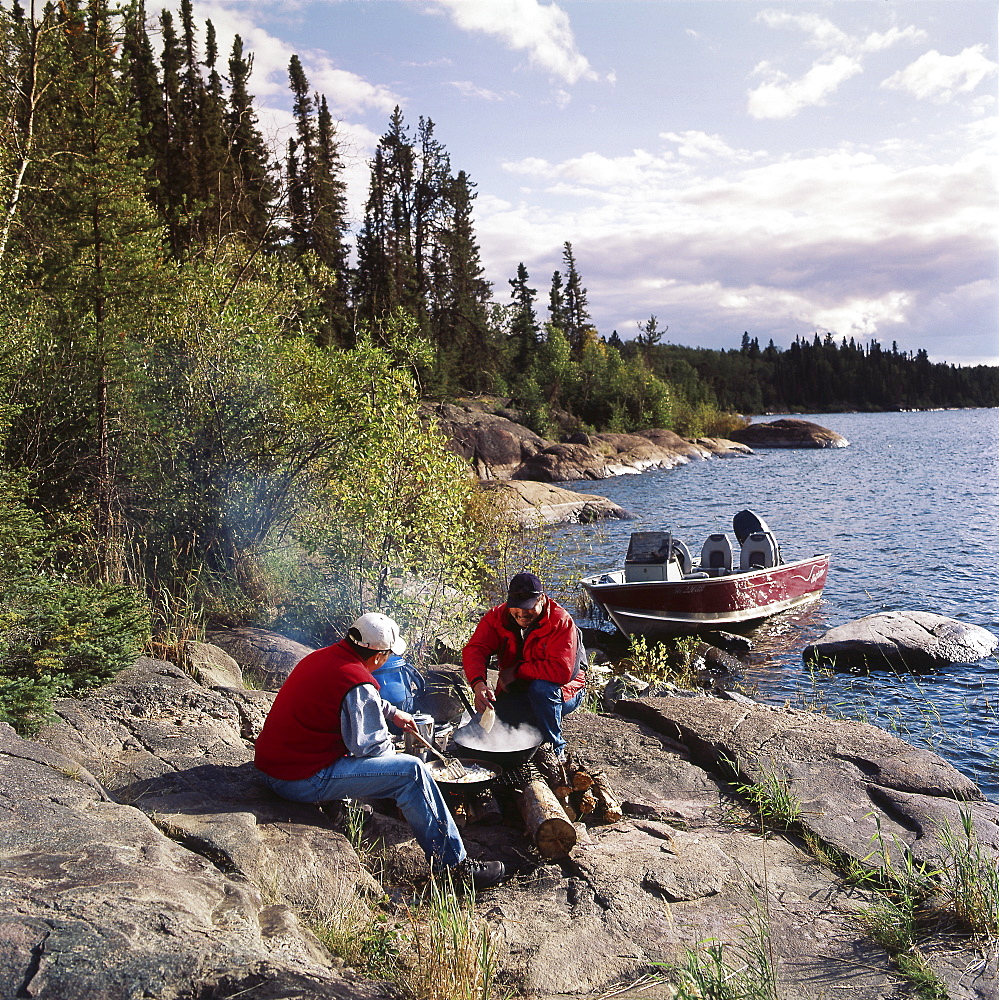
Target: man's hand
[
  {"x": 404, "y": 721},
  {"x": 484, "y": 696}
]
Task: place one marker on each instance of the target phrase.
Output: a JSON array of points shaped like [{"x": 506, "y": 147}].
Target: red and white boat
[{"x": 663, "y": 590}]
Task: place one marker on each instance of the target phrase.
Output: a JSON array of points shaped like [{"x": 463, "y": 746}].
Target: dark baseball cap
[{"x": 525, "y": 589}]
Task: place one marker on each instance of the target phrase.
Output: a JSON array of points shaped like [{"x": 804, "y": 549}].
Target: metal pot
[{"x": 498, "y": 748}]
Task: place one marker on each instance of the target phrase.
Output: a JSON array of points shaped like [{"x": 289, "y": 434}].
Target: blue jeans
[
  {"x": 542, "y": 706},
  {"x": 394, "y": 776}
]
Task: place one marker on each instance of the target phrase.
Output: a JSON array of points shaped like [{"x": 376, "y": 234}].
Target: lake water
[{"x": 910, "y": 514}]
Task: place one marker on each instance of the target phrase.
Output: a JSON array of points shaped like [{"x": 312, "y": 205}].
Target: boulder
[
  {"x": 266, "y": 656},
  {"x": 854, "y": 783},
  {"x": 910, "y": 640},
  {"x": 494, "y": 445},
  {"x": 789, "y": 432},
  {"x": 598, "y": 456},
  {"x": 529, "y": 504},
  {"x": 723, "y": 447}
]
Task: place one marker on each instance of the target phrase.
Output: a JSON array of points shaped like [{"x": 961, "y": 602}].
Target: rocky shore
[{"x": 143, "y": 857}]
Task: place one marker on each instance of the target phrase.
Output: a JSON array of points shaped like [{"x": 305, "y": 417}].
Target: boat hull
[{"x": 693, "y": 605}]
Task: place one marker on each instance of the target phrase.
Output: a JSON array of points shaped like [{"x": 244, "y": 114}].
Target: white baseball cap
[{"x": 376, "y": 631}]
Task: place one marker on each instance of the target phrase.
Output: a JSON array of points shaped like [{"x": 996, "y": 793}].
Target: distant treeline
[{"x": 822, "y": 375}]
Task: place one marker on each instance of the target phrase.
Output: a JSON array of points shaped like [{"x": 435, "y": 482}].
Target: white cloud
[
  {"x": 541, "y": 30},
  {"x": 940, "y": 78},
  {"x": 839, "y": 240},
  {"x": 782, "y": 97},
  {"x": 701, "y": 146},
  {"x": 468, "y": 89}
]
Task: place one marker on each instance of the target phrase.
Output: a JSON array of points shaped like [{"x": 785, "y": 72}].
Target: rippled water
[{"x": 910, "y": 514}]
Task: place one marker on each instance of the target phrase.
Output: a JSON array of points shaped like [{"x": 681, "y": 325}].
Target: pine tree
[
  {"x": 97, "y": 260},
  {"x": 317, "y": 202},
  {"x": 251, "y": 197},
  {"x": 577, "y": 318},
  {"x": 468, "y": 356},
  {"x": 557, "y": 316},
  {"x": 524, "y": 329}
]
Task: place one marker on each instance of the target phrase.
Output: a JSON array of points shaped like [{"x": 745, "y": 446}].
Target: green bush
[{"x": 56, "y": 637}]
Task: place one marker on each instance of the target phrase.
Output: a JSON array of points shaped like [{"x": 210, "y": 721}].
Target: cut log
[
  {"x": 582, "y": 780},
  {"x": 586, "y": 802},
  {"x": 545, "y": 820},
  {"x": 612, "y": 810}
]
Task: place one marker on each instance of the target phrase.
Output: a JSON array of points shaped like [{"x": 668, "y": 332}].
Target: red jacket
[
  {"x": 302, "y": 734},
  {"x": 549, "y": 651}
]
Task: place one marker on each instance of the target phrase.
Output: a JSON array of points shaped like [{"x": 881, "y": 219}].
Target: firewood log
[
  {"x": 582, "y": 780},
  {"x": 546, "y": 821},
  {"x": 587, "y": 802},
  {"x": 612, "y": 810}
]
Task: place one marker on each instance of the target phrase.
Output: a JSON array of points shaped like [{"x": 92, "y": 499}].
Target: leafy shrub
[{"x": 56, "y": 637}]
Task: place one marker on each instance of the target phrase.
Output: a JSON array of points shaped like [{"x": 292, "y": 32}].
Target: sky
[{"x": 724, "y": 165}]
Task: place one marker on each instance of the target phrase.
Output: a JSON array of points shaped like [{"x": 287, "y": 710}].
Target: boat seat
[
  {"x": 682, "y": 555},
  {"x": 716, "y": 554},
  {"x": 759, "y": 551}
]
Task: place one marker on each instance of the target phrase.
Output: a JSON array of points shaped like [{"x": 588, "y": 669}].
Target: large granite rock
[
  {"x": 268, "y": 656},
  {"x": 599, "y": 456},
  {"x": 911, "y": 640},
  {"x": 789, "y": 432},
  {"x": 96, "y": 903},
  {"x": 494, "y": 445},
  {"x": 529, "y": 504},
  {"x": 142, "y": 855}
]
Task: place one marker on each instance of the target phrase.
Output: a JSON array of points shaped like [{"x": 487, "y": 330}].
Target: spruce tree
[
  {"x": 577, "y": 317},
  {"x": 251, "y": 196},
  {"x": 524, "y": 330}
]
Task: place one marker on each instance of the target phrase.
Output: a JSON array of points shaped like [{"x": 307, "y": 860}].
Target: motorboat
[{"x": 664, "y": 590}]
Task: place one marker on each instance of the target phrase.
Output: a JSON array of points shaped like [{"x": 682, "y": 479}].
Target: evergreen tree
[
  {"x": 251, "y": 195},
  {"x": 98, "y": 261},
  {"x": 524, "y": 329},
  {"x": 317, "y": 202},
  {"x": 467, "y": 355},
  {"x": 557, "y": 315},
  {"x": 577, "y": 317}
]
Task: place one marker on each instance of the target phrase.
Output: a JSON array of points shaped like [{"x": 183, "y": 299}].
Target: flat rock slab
[
  {"x": 789, "y": 432},
  {"x": 97, "y": 904},
  {"x": 853, "y": 782},
  {"x": 531, "y": 504},
  {"x": 910, "y": 640}
]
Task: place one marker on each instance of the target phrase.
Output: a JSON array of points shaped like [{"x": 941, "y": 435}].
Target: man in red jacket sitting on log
[
  {"x": 325, "y": 738},
  {"x": 540, "y": 658}
]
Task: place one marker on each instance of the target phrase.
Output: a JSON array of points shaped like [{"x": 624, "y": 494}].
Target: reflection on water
[{"x": 910, "y": 515}]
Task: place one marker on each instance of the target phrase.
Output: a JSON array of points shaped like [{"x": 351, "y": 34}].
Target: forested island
[{"x": 211, "y": 373}]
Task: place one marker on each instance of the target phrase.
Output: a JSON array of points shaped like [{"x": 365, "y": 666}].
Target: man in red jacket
[
  {"x": 325, "y": 738},
  {"x": 539, "y": 657}
]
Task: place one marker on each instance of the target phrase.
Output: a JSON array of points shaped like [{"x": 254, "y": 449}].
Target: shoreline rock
[
  {"x": 141, "y": 852},
  {"x": 910, "y": 640},
  {"x": 530, "y": 504},
  {"x": 497, "y": 447},
  {"x": 789, "y": 432}
]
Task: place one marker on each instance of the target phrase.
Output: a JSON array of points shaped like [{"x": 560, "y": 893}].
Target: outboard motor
[{"x": 745, "y": 523}]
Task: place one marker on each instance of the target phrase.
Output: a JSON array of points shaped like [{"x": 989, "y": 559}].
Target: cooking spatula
[{"x": 488, "y": 718}]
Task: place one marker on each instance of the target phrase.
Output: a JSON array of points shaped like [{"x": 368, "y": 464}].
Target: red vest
[{"x": 302, "y": 732}]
